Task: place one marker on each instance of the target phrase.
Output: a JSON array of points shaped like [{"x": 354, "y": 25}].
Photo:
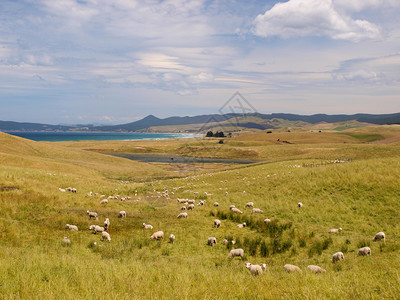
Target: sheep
[
  {"x": 231, "y": 206},
  {"x": 182, "y": 215},
  {"x": 183, "y": 208},
  {"x": 217, "y": 223},
  {"x": 249, "y": 204},
  {"x": 69, "y": 189},
  {"x": 66, "y": 241},
  {"x": 233, "y": 242},
  {"x": 92, "y": 214},
  {"x": 96, "y": 228},
  {"x": 299, "y": 204},
  {"x": 147, "y": 226},
  {"x": 254, "y": 269},
  {"x": 236, "y": 252},
  {"x": 335, "y": 230},
  {"x": 225, "y": 242},
  {"x": 264, "y": 267},
  {"x": 104, "y": 201},
  {"x": 266, "y": 221},
  {"x": 315, "y": 269},
  {"x": 216, "y": 204},
  {"x": 73, "y": 190},
  {"x": 182, "y": 201},
  {"x": 235, "y": 210},
  {"x": 241, "y": 225},
  {"x": 364, "y": 251},
  {"x": 90, "y": 194},
  {"x": 106, "y": 224},
  {"x": 338, "y": 256},
  {"x": 122, "y": 214},
  {"x": 61, "y": 190},
  {"x": 291, "y": 268},
  {"x": 71, "y": 227},
  {"x": 190, "y": 207},
  {"x": 158, "y": 235},
  {"x": 379, "y": 236},
  {"x": 172, "y": 238},
  {"x": 105, "y": 236},
  {"x": 191, "y": 201},
  {"x": 201, "y": 203},
  {"x": 211, "y": 241},
  {"x": 256, "y": 211}
]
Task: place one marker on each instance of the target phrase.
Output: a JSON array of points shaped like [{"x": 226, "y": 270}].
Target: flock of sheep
[{"x": 189, "y": 204}]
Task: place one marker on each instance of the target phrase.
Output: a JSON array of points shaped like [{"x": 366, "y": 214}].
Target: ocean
[{"x": 96, "y": 136}]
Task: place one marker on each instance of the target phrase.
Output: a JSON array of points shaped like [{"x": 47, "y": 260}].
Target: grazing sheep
[
  {"x": 254, "y": 269},
  {"x": 105, "y": 236},
  {"x": 182, "y": 215},
  {"x": 256, "y": 211},
  {"x": 106, "y": 224},
  {"x": 335, "y": 230},
  {"x": 235, "y": 210},
  {"x": 225, "y": 242},
  {"x": 249, "y": 204},
  {"x": 379, "y": 236},
  {"x": 211, "y": 241},
  {"x": 338, "y": 256},
  {"x": 242, "y": 225},
  {"x": 216, "y": 204},
  {"x": 236, "y": 252},
  {"x": 104, "y": 201},
  {"x": 61, "y": 190},
  {"x": 300, "y": 204},
  {"x": 158, "y": 235},
  {"x": 190, "y": 207},
  {"x": 96, "y": 228},
  {"x": 73, "y": 190},
  {"x": 316, "y": 269},
  {"x": 364, "y": 251},
  {"x": 147, "y": 226},
  {"x": 266, "y": 221},
  {"x": 291, "y": 268},
  {"x": 90, "y": 194},
  {"x": 231, "y": 206},
  {"x": 191, "y": 201},
  {"x": 264, "y": 267},
  {"x": 71, "y": 227},
  {"x": 122, "y": 214},
  {"x": 217, "y": 223},
  {"x": 172, "y": 238},
  {"x": 182, "y": 201},
  {"x": 233, "y": 242},
  {"x": 183, "y": 208},
  {"x": 201, "y": 203},
  {"x": 66, "y": 241},
  {"x": 92, "y": 214}
]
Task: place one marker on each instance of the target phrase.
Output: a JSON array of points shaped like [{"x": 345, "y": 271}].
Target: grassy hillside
[{"x": 361, "y": 196}]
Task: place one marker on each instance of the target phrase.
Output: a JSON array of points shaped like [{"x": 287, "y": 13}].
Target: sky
[{"x": 113, "y": 62}]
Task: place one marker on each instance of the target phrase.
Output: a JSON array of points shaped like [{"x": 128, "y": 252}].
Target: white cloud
[
  {"x": 299, "y": 18},
  {"x": 359, "y": 5}
]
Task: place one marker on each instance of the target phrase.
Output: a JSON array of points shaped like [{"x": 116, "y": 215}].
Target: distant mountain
[{"x": 205, "y": 122}]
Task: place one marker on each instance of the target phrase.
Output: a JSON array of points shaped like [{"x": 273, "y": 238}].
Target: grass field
[{"x": 360, "y": 195}]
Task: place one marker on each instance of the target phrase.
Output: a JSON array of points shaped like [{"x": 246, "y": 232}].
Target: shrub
[{"x": 363, "y": 243}]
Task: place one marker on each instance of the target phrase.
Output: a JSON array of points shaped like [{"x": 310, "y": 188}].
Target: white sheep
[
  {"x": 71, "y": 227},
  {"x": 190, "y": 207},
  {"x": 105, "y": 236},
  {"x": 254, "y": 269},
  {"x": 216, "y": 204},
  {"x": 211, "y": 241},
  {"x": 104, "y": 201},
  {"x": 182, "y": 215},
  {"x": 61, "y": 190},
  {"x": 256, "y": 211},
  {"x": 73, "y": 190},
  {"x": 183, "y": 208},
  {"x": 299, "y": 204},
  {"x": 335, "y": 230},
  {"x": 66, "y": 240},
  {"x": 241, "y": 225},
  {"x": 191, "y": 201},
  {"x": 171, "y": 238},
  {"x": 225, "y": 242},
  {"x": 201, "y": 203},
  {"x": 364, "y": 251},
  {"x": 182, "y": 201},
  {"x": 338, "y": 256},
  {"x": 249, "y": 204},
  {"x": 147, "y": 226},
  {"x": 122, "y": 214},
  {"x": 231, "y": 206},
  {"x": 92, "y": 214},
  {"x": 266, "y": 221},
  {"x": 106, "y": 223},
  {"x": 315, "y": 269},
  {"x": 379, "y": 236},
  {"x": 96, "y": 228},
  {"x": 291, "y": 268},
  {"x": 90, "y": 194},
  {"x": 264, "y": 267},
  {"x": 236, "y": 252},
  {"x": 158, "y": 235},
  {"x": 217, "y": 223},
  {"x": 236, "y": 210}
]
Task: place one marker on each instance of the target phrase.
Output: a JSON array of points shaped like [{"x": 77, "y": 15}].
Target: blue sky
[{"x": 101, "y": 61}]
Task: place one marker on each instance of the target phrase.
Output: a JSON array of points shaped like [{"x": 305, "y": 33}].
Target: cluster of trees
[{"x": 216, "y": 134}]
